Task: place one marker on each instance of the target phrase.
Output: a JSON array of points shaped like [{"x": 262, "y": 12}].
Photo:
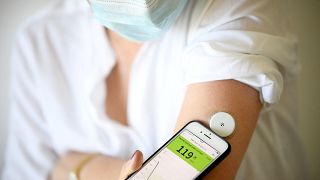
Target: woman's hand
[
  {"x": 132, "y": 165},
  {"x": 100, "y": 167}
]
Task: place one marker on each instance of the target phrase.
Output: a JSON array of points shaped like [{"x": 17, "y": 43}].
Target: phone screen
[{"x": 184, "y": 157}]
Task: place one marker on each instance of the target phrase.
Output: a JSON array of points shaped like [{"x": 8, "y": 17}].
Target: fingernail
[{"x": 133, "y": 154}]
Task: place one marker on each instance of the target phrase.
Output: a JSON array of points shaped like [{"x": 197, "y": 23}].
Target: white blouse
[{"x": 62, "y": 58}]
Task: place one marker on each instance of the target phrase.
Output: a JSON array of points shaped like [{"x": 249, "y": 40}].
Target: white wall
[
  {"x": 305, "y": 16},
  {"x": 306, "y": 24}
]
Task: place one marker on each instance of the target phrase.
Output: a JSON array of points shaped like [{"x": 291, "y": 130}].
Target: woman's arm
[
  {"x": 204, "y": 99},
  {"x": 100, "y": 167}
]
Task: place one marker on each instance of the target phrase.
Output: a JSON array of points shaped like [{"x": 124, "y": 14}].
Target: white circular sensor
[{"x": 222, "y": 123}]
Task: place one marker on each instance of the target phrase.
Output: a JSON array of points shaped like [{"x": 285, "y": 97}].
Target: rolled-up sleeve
[
  {"x": 29, "y": 153},
  {"x": 242, "y": 40}
]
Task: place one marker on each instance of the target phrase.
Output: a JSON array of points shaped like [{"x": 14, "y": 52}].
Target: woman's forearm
[{"x": 99, "y": 167}]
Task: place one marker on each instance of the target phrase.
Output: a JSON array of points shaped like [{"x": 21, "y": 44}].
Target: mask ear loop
[{"x": 222, "y": 123}]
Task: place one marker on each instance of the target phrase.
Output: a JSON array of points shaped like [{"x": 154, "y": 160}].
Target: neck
[
  {"x": 123, "y": 48},
  {"x": 125, "y": 51}
]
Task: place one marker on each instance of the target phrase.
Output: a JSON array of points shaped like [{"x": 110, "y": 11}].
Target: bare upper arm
[{"x": 241, "y": 101}]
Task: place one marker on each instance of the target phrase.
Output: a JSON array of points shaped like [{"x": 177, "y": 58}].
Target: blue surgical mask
[{"x": 138, "y": 20}]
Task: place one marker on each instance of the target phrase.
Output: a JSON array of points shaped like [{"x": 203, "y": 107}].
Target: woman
[{"x": 86, "y": 96}]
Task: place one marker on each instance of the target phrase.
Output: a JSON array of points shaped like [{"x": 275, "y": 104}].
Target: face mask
[{"x": 138, "y": 20}]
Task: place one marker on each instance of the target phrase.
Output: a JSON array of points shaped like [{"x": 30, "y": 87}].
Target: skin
[{"x": 200, "y": 102}]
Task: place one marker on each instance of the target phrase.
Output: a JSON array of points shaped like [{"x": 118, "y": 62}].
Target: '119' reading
[{"x": 188, "y": 156}]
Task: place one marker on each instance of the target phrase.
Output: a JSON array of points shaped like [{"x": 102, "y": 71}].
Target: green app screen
[{"x": 190, "y": 153}]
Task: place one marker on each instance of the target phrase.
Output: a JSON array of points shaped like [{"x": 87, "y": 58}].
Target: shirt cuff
[{"x": 203, "y": 63}]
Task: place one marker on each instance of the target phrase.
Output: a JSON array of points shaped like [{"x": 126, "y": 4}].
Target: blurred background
[{"x": 305, "y": 19}]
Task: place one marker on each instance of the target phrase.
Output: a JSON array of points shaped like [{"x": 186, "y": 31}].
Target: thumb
[
  {"x": 132, "y": 165},
  {"x": 135, "y": 162}
]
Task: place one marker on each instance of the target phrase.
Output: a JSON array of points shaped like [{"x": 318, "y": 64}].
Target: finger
[
  {"x": 136, "y": 162},
  {"x": 132, "y": 165}
]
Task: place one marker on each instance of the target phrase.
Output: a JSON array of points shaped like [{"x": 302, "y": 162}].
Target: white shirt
[{"x": 62, "y": 57}]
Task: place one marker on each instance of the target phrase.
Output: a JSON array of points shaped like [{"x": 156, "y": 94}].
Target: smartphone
[{"x": 189, "y": 154}]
